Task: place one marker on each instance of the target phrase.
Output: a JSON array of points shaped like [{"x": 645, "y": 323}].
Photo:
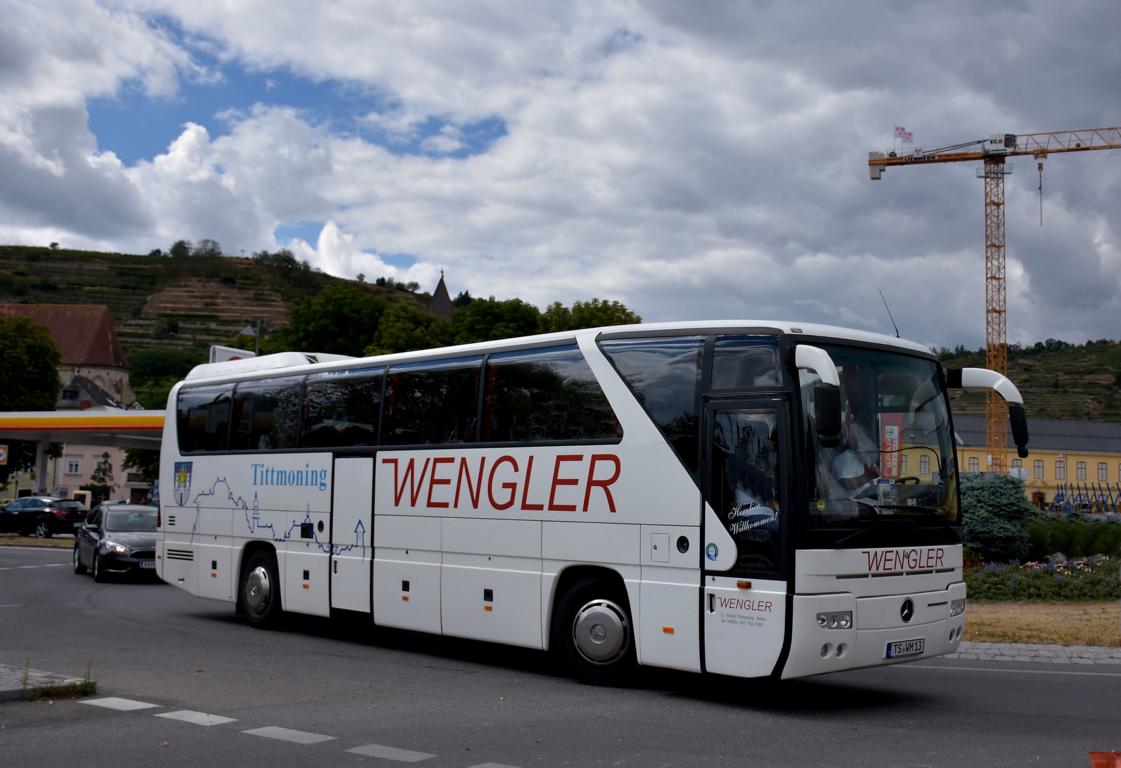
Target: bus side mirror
[
  {"x": 827, "y": 413},
  {"x": 1019, "y": 421}
]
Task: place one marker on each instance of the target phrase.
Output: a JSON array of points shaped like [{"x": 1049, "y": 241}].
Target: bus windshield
[{"x": 895, "y": 461}]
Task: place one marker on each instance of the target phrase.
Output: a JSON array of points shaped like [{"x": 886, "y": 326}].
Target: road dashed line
[
  {"x": 118, "y": 704},
  {"x": 197, "y": 718},
  {"x": 383, "y": 752},
  {"x": 288, "y": 734},
  {"x": 206, "y": 719}
]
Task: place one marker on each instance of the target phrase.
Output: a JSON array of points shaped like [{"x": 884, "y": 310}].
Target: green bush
[
  {"x": 1078, "y": 537},
  {"x": 1084, "y": 579},
  {"x": 995, "y": 516}
]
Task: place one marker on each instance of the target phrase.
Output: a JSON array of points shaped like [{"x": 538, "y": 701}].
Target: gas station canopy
[{"x": 96, "y": 426}]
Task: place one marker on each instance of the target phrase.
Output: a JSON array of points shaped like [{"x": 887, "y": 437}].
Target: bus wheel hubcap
[
  {"x": 258, "y": 589},
  {"x": 600, "y": 631}
]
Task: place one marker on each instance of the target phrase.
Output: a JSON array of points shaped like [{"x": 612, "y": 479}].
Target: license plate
[
  {"x": 152, "y": 564},
  {"x": 902, "y": 648}
]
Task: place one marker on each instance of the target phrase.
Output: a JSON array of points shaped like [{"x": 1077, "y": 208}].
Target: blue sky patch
[
  {"x": 136, "y": 126},
  {"x": 308, "y": 231}
]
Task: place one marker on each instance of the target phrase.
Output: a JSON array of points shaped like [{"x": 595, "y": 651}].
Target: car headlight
[
  {"x": 116, "y": 549},
  {"x": 835, "y": 620},
  {"x": 957, "y": 607}
]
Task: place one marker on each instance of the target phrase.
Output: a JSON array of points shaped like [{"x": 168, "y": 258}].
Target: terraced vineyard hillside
[
  {"x": 1057, "y": 380},
  {"x": 160, "y": 303}
]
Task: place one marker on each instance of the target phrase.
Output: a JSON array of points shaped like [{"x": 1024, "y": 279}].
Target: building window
[
  {"x": 1103, "y": 472},
  {"x": 73, "y": 465},
  {"x": 1017, "y": 463},
  {"x": 974, "y": 464},
  {"x": 903, "y": 465},
  {"x": 1039, "y": 469},
  {"x": 924, "y": 464},
  {"x": 1060, "y": 469},
  {"x": 1080, "y": 468}
]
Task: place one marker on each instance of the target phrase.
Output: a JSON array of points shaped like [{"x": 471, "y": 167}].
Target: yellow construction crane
[{"x": 992, "y": 152}]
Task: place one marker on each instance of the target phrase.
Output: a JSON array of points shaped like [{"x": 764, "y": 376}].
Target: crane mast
[{"x": 992, "y": 152}]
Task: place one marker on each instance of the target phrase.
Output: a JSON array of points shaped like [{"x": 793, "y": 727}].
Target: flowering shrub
[{"x": 1086, "y": 579}]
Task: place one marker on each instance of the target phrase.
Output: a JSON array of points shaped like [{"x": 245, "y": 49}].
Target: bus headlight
[
  {"x": 957, "y": 607},
  {"x": 835, "y": 620}
]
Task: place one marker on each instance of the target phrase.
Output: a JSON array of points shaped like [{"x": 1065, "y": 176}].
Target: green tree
[
  {"x": 101, "y": 483},
  {"x": 180, "y": 249},
  {"x": 342, "y": 319},
  {"x": 144, "y": 461},
  {"x": 153, "y": 372},
  {"x": 404, "y": 328},
  {"x": 28, "y": 381},
  {"x": 586, "y": 314},
  {"x": 207, "y": 248},
  {"x": 996, "y": 516},
  {"x": 485, "y": 319}
]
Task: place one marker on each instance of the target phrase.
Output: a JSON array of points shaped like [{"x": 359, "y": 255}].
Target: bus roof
[{"x": 284, "y": 361}]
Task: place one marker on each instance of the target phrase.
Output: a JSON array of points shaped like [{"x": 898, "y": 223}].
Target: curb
[
  {"x": 27, "y": 541},
  {"x": 26, "y": 684},
  {"x": 1042, "y": 654}
]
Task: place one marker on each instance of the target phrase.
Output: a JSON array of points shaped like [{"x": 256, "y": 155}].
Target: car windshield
[
  {"x": 131, "y": 520},
  {"x": 895, "y": 461},
  {"x": 69, "y": 504}
]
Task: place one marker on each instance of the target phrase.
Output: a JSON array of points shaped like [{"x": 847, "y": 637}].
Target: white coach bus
[{"x": 744, "y": 498}]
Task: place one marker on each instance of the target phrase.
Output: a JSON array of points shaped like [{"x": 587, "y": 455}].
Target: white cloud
[{"x": 690, "y": 161}]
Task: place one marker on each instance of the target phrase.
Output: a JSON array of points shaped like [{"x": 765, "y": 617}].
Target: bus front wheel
[
  {"x": 260, "y": 590},
  {"x": 592, "y": 632}
]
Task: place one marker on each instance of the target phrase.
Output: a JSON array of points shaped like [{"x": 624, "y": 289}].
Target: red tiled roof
[{"x": 83, "y": 333}]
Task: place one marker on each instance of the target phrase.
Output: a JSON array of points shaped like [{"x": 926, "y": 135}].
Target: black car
[
  {"x": 118, "y": 539},
  {"x": 42, "y": 516}
]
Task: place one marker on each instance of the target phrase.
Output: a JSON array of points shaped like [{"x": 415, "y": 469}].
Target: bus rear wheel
[
  {"x": 260, "y": 590},
  {"x": 592, "y": 632}
]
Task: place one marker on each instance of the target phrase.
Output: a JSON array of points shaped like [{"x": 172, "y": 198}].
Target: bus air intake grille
[{"x": 186, "y": 555}]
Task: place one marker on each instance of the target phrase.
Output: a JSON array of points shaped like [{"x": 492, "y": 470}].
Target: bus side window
[
  {"x": 745, "y": 362},
  {"x": 541, "y": 395},
  {"x": 432, "y": 402},
  {"x": 745, "y": 484},
  {"x": 265, "y": 414},
  {"x": 664, "y": 374},
  {"x": 203, "y": 418},
  {"x": 341, "y": 409}
]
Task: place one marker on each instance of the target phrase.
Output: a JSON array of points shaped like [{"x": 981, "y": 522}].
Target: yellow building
[{"x": 1071, "y": 463}]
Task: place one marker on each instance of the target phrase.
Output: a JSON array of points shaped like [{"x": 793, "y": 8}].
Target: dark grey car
[
  {"x": 118, "y": 539},
  {"x": 41, "y": 515}
]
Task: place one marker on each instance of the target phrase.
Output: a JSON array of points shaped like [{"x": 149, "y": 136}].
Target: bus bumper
[{"x": 883, "y": 630}]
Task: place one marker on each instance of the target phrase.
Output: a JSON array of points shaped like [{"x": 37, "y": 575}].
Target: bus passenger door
[
  {"x": 352, "y": 538},
  {"x": 746, "y": 492}
]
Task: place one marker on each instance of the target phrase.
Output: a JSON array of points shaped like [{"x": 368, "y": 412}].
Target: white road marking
[
  {"x": 197, "y": 718},
  {"x": 383, "y": 752},
  {"x": 493, "y": 765},
  {"x": 287, "y": 734},
  {"x": 55, "y": 565},
  {"x": 1072, "y": 673},
  {"x": 21, "y": 567},
  {"x": 121, "y": 705}
]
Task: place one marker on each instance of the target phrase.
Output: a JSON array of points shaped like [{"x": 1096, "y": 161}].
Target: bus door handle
[
  {"x": 336, "y": 564},
  {"x": 711, "y": 603}
]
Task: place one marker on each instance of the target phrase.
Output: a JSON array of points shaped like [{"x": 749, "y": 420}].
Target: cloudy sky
[{"x": 690, "y": 159}]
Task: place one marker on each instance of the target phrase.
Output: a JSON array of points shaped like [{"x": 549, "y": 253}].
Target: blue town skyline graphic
[{"x": 254, "y": 523}]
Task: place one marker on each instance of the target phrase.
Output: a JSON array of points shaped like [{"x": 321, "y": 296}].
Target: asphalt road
[{"x": 399, "y": 697}]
